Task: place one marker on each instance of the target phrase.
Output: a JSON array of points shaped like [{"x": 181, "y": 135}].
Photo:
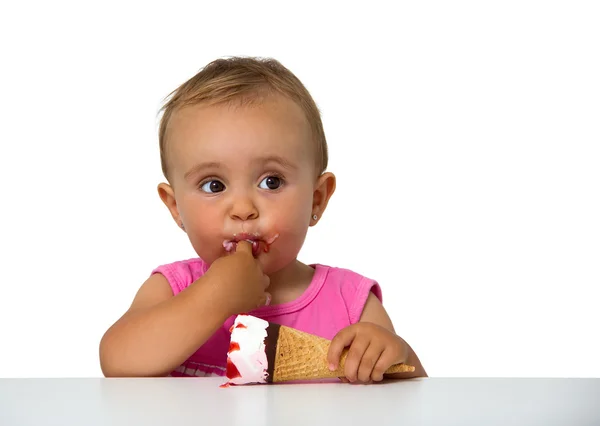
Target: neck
[{"x": 290, "y": 281}]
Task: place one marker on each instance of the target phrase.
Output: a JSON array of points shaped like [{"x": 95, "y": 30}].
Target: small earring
[
  {"x": 315, "y": 217},
  {"x": 181, "y": 225}
]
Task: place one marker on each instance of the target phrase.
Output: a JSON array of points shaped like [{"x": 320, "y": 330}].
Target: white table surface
[{"x": 200, "y": 401}]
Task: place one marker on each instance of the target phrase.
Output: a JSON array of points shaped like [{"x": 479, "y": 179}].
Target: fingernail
[{"x": 331, "y": 367}]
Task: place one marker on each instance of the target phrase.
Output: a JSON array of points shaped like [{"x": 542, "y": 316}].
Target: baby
[{"x": 244, "y": 153}]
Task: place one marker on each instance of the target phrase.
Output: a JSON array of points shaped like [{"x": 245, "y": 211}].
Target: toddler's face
[{"x": 238, "y": 170}]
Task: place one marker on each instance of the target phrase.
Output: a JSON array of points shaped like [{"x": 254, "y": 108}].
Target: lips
[
  {"x": 231, "y": 244},
  {"x": 247, "y": 237},
  {"x": 255, "y": 239}
]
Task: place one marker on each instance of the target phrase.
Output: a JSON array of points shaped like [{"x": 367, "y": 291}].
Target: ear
[
  {"x": 324, "y": 189},
  {"x": 166, "y": 194}
]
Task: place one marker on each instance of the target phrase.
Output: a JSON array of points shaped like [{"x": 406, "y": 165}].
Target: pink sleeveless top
[{"x": 334, "y": 299}]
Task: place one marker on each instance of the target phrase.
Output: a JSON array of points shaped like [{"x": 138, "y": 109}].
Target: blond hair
[{"x": 243, "y": 79}]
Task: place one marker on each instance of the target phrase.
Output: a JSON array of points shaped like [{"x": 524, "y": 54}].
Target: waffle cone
[{"x": 303, "y": 356}]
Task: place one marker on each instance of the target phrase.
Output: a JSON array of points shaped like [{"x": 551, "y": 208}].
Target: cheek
[
  {"x": 205, "y": 239},
  {"x": 292, "y": 215},
  {"x": 202, "y": 221}
]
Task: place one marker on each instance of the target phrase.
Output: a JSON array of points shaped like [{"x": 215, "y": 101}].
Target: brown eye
[
  {"x": 271, "y": 182},
  {"x": 213, "y": 186}
]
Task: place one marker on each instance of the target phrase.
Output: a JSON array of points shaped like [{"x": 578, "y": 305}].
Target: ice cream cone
[{"x": 296, "y": 355}]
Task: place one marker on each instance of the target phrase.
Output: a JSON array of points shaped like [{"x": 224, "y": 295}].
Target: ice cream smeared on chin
[
  {"x": 258, "y": 243},
  {"x": 246, "y": 358}
]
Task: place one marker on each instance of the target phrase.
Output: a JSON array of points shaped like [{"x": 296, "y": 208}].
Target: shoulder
[
  {"x": 353, "y": 287},
  {"x": 350, "y": 282},
  {"x": 182, "y": 273}
]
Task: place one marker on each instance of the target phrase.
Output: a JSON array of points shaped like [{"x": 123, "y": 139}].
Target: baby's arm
[
  {"x": 375, "y": 313},
  {"x": 373, "y": 347},
  {"x": 160, "y": 331}
]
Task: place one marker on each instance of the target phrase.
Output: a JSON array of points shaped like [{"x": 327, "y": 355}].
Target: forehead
[{"x": 235, "y": 135}]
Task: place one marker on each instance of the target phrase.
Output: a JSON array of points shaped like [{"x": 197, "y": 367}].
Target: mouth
[{"x": 257, "y": 241}]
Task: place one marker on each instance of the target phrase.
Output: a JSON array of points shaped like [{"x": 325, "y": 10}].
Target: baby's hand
[
  {"x": 373, "y": 349},
  {"x": 241, "y": 283}
]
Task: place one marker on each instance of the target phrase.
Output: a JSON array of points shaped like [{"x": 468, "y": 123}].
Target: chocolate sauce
[{"x": 271, "y": 349}]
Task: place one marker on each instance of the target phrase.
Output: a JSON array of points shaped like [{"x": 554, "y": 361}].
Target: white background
[{"x": 465, "y": 137}]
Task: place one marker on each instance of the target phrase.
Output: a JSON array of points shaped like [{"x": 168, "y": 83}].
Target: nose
[{"x": 243, "y": 209}]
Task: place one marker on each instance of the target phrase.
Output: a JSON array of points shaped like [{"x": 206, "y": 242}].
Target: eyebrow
[
  {"x": 263, "y": 160},
  {"x": 277, "y": 159},
  {"x": 199, "y": 167}
]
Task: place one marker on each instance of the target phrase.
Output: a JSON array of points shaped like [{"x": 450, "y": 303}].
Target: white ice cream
[{"x": 250, "y": 359}]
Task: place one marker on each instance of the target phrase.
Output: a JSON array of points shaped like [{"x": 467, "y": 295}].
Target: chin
[{"x": 271, "y": 264}]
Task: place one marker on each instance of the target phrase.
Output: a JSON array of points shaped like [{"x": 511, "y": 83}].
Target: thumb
[{"x": 341, "y": 340}]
